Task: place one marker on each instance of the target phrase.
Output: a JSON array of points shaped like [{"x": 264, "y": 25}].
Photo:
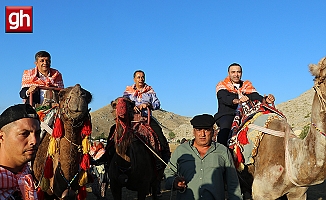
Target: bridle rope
[
  {"x": 321, "y": 99},
  {"x": 322, "y": 102}
]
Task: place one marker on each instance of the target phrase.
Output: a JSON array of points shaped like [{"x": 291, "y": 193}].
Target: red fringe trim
[
  {"x": 82, "y": 194},
  {"x": 40, "y": 194},
  {"x": 239, "y": 156},
  {"x": 48, "y": 169},
  {"x": 242, "y": 137}
]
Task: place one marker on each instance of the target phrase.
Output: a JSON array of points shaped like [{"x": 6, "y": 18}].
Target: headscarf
[
  {"x": 226, "y": 84},
  {"x": 138, "y": 93},
  {"x": 30, "y": 78},
  {"x": 97, "y": 150},
  {"x": 23, "y": 182}
]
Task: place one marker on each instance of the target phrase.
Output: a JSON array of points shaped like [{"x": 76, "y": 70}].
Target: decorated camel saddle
[
  {"x": 133, "y": 127},
  {"x": 249, "y": 125}
]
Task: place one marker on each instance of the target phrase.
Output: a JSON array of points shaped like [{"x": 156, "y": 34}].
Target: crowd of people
[{"x": 199, "y": 168}]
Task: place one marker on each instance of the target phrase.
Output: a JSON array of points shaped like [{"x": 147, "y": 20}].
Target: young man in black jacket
[{"x": 231, "y": 92}]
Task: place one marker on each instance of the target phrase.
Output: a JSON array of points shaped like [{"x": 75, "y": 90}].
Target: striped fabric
[
  {"x": 11, "y": 183},
  {"x": 137, "y": 93},
  {"x": 226, "y": 84},
  {"x": 30, "y": 78}
]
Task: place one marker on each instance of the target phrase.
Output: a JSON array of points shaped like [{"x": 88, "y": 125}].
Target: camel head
[
  {"x": 73, "y": 103},
  {"x": 123, "y": 111},
  {"x": 129, "y": 107}
]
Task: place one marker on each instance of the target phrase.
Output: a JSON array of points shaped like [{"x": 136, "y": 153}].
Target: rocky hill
[{"x": 297, "y": 111}]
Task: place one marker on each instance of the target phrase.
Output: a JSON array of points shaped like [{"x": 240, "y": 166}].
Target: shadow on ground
[{"x": 316, "y": 192}]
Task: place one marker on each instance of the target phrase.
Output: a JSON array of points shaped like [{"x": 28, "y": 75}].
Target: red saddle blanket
[{"x": 147, "y": 135}]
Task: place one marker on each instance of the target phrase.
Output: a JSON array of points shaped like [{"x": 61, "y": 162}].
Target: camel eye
[{"x": 61, "y": 95}]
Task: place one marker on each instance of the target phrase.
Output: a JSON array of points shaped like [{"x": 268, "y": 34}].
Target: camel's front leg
[{"x": 269, "y": 183}]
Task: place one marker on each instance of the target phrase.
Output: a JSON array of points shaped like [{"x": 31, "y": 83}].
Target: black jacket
[
  {"x": 36, "y": 95},
  {"x": 225, "y": 102}
]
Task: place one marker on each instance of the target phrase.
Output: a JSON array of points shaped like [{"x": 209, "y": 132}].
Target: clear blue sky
[{"x": 184, "y": 47}]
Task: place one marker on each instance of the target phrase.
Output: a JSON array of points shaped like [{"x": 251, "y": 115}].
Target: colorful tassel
[
  {"x": 85, "y": 162},
  {"x": 86, "y": 145},
  {"x": 58, "y": 128},
  {"x": 45, "y": 184},
  {"x": 52, "y": 149},
  {"x": 87, "y": 128},
  {"x": 82, "y": 194},
  {"x": 242, "y": 137},
  {"x": 40, "y": 194},
  {"x": 48, "y": 169},
  {"x": 83, "y": 178}
]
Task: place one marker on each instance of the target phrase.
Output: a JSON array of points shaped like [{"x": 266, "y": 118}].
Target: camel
[
  {"x": 133, "y": 164},
  {"x": 289, "y": 165},
  {"x": 64, "y": 167}
]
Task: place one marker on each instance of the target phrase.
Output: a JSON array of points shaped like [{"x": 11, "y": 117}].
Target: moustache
[{"x": 31, "y": 149}]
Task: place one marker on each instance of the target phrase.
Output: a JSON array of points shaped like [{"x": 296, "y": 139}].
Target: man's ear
[{"x": 1, "y": 136}]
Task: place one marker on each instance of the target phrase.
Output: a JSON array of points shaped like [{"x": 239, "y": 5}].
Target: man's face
[
  {"x": 139, "y": 79},
  {"x": 43, "y": 64},
  {"x": 235, "y": 73},
  {"x": 19, "y": 142},
  {"x": 203, "y": 136}
]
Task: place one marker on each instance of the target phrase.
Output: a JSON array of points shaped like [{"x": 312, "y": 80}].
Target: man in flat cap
[
  {"x": 200, "y": 168},
  {"x": 19, "y": 140}
]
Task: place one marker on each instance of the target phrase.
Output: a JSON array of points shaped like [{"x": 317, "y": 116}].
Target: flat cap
[
  {"x": 16, "y": 112},
  {"x": 202, "y": 121}
]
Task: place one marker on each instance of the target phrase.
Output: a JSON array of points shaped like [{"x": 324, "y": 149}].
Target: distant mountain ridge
[{"x": 297, "y": 111}]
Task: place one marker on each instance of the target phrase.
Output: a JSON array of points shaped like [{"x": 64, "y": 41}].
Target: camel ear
[
  {"x": 114, "y": 104},
  {"x": 88, "y": 97},
  {"x": 314, "y": 70}
]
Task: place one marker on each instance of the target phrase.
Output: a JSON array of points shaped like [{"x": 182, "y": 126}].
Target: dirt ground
[{"x": 316, "y": 192}]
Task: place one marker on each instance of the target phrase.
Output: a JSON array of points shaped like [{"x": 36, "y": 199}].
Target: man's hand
[
  {"x": 270, "y": 99},
  {"x": 31, "y": 90},
  {"x": 244, "y": 98},
  {"x": 140, "y": 107},
  {"x": 236, "y": 101},
  {"x": 179, "y": 183}
]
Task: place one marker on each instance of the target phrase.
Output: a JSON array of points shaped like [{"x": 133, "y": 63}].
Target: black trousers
[{"x": 225, "y": 123}]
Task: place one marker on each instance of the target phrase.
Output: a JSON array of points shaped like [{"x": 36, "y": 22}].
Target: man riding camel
[
  {"x": 41, "y": 75},
  {"x": 144, "y": 97},
  {"x": 231, "y": 92}
]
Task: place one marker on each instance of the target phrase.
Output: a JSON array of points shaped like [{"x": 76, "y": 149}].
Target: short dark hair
[
  {"x": 138, "y": 71},
  {"x": 42, "y": 54},
  {"x": 234, "y": 64}
]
